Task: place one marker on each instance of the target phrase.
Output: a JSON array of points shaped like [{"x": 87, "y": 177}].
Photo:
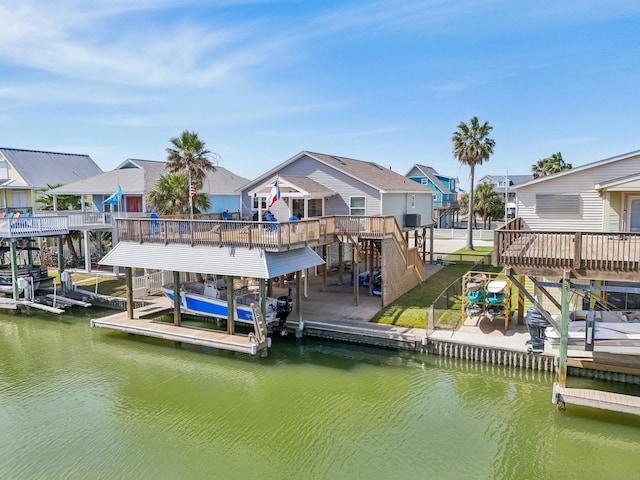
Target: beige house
[{"x": 602, "y": 196}]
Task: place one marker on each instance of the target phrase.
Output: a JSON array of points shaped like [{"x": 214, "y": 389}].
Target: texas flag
[{"x": 274, "y": 195}]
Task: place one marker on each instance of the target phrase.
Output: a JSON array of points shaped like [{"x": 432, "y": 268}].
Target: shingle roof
[
  {"x": 308, "y": 185},
  {"x": 39, "y": 169},
  {"x": 376, "y": 175}
]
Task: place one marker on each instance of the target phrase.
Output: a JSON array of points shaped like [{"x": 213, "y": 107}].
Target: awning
[{"x": 235, "y": 261}]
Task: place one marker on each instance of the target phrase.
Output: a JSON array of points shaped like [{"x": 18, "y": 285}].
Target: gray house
[
  {"x": 137, "y": 177},
  {"x": 316, "y": 184}
]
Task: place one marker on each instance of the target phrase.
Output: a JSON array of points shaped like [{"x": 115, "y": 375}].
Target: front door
[
  {"x": 633, "y": 214},
  {"x": 133, "y": 204}
]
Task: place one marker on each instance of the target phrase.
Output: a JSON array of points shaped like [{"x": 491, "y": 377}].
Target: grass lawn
[{"x": 410, "y": 310}]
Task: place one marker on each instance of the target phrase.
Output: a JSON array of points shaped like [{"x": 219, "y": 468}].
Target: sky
[{"x": 382, "y": 81}]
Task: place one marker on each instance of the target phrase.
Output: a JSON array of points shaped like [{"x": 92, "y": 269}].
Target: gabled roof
[
  {"x": 432, "y": 175},
  {"x": 370, "y": 173},
  {"x": 291, "y": 185},
  {"x": 136, "y": 177},
  {"x": 39, "y": 169},
  {"x": 588, "y": 166}
]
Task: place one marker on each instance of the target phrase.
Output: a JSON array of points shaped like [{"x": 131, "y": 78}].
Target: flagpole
[{"x": 190, "y": 197}]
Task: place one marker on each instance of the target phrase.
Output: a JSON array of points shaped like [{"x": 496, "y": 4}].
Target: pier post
[
  {"x": 176, "y": 298},
  {"x": 14, "y": 269},
  {"x": 231, "y": 312},
  {"x": 129, "y": 282},
  {"x": 63, "y": 287},
  {"x": 299, "y": 296},
  {"x": 564, "y": 331}
]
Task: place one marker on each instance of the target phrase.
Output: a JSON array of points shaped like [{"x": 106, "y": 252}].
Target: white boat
[
  {"x": 614, "y": 331},
  {"x": 210, "y": 299}
]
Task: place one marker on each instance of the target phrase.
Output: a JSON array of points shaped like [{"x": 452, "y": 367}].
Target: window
[
  {"x": 357, "y": 205},
  {"x": 557, "y": 203},
  {"x": 314, "y": 207},
  {"x": 413, "y": 201},
  {"x": 424, "y": 181},
  {"x": 255, "y": 203}
]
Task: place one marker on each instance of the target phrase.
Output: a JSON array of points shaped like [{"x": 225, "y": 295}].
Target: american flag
[{"x": 192, "y": 191}]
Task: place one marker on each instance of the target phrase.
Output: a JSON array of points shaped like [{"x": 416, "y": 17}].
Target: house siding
[
  {"x": 399, "y": 204},
  {"x": 591, "y": 216},
  {"x": 344, "y": 185}
]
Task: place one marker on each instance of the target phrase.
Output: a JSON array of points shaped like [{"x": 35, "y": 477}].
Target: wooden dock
[
  {"x": 142, "y": 324},
  {"x": 616, "y": 402}
]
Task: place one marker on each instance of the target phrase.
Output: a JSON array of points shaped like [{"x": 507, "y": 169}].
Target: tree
[
  {"x": 549, "y": 166},
  {"x": 488, "y": 203},
  {"x": 171, "y": 196},
  {"x": 472, "y": 146},
  {"x": 190, "y": 156}
]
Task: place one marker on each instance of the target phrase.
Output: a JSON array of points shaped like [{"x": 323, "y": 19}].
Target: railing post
[{"x": 577, "y": 250}]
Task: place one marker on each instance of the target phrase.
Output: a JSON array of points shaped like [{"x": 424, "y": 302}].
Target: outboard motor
[
  {"x": 536, "y": 323},
  {"x": 284, "y": 306}
]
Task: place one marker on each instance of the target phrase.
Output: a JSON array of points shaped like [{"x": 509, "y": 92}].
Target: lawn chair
[
  {"x": 271, "y": 227},
  {"x": 225, "y": 215}
]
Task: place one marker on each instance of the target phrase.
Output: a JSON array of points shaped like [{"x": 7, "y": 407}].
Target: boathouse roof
[{"x": 236, "y": 261}]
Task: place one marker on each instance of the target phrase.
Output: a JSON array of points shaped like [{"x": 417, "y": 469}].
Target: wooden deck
[
  {"x": 615, "y": 402},
  {"x": 143, "y": 325},
  {"x": 596, "y": 255},
  {"x": 272, "y": 236}
]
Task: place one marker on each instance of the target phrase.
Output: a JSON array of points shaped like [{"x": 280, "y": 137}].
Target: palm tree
[
  {"x": 171, "y": 196},
  {"x": 488, "y": 203},
  {"x": 549, "y": 166},
  {"x": 190, "y": 156},
  {"x": 472, "y": 146}
]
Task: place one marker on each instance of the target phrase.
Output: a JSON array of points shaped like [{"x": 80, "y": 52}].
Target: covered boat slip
[{"x": 229, "y": 262}]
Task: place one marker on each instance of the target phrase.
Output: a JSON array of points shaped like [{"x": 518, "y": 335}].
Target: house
[
  {"x": 445, "y": 191},
  {"x": 316, "y": 184},
  {"x": 137, "y": 177},
  {"x": 25, "y": 174},
  {"x": 504, "y": 185},
  {"x": 602, "y": 196}
]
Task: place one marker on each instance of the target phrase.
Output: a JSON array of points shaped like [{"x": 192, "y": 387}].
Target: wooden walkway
[
  {"x": 615, "y": 402},
  {"x": 142, "y": 324}
]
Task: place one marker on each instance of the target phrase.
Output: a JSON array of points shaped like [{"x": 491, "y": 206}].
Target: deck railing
[
  {"x": 275, "y": 236},
  {"x": 33, "y": 226},
  {"x": 612, "y": 251}
]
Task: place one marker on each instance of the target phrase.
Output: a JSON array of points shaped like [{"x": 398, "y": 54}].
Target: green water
[{"x": 77, "y": 402}]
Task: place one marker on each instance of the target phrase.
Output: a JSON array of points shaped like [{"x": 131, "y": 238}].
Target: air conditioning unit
[{"x": 412, "y": 220}]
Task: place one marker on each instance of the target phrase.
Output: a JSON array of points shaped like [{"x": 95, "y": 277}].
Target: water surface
[{"x": 77, "y": 402}]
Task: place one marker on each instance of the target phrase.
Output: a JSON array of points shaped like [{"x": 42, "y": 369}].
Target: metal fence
[{"x": 445, "y": 313}]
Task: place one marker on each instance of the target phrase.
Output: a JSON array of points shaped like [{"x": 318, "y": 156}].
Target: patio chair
[
  {"x": 225, "y": 215},
  {"x": 154, "y": 225}
]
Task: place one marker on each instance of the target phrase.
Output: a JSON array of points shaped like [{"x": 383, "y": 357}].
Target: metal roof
[
  {"x": 39, "y": 169},
  {"x": 137, "y": 177},
  {"x": 239, "y": 262}
]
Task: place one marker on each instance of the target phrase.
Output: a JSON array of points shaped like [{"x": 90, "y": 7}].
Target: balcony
[{"x": 593, "y": 255}]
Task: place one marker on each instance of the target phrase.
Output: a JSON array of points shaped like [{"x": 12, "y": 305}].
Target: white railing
[{"x": 150, "y": 283}]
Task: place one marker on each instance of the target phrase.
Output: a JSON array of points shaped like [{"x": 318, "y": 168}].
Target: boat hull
[{"x": 199, "y": 304}]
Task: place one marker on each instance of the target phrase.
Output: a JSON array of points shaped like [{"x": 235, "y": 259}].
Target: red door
[{"x": 133, "y": 204}]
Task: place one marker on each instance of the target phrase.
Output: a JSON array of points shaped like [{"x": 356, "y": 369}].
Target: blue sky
[{"x": 384, "y": 81}]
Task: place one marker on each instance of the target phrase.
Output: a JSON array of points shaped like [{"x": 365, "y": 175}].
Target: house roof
[
  {"x": 587, "y": 166},
  {"x": 39, "y": 169},
  {"x": 137, "y": 177},
  {"x": 432, "y": 175},
  {"x": 291, "y": 185},
  {"x": 513, "y": 179},
  {"x": 370, "y": 173},
  {"x": 621, "y": 184}
]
